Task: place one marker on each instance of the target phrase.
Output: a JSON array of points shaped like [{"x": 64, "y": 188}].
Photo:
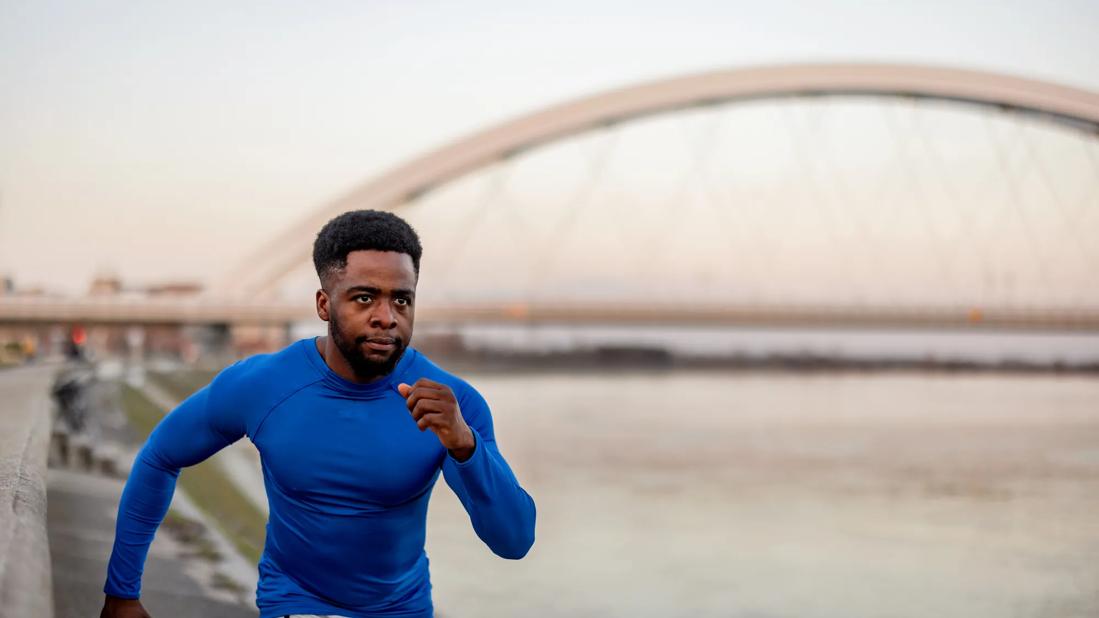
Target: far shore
[{"x": 634, "y": 358}]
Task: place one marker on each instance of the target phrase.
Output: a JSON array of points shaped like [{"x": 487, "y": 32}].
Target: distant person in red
[{"x": 353, "y": 430}]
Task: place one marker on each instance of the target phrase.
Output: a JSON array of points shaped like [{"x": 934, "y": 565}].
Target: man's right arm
[{"x": 197, "y": 428}]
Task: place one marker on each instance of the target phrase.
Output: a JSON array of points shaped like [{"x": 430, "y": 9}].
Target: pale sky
[{"x": 166, "y": 140}]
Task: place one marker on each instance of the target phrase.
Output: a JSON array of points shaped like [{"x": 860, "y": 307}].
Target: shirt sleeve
[
  {"x": 502, "y": 512},
  {"x": 196, "y": 429}
]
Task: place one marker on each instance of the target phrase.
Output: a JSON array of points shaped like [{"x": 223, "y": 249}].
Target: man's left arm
[{"x": 501, "y": 511}]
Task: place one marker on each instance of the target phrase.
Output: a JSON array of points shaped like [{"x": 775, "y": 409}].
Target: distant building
[
  {"x": 174, "y": 288},
  {"x": 105, "y": 285},
  {"x": 110, "y": 285}
]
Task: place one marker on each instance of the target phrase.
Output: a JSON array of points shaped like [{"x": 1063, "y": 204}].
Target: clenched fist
[
  {"x": 114, "y": 607},
  {"x": 433, "y": 406}
]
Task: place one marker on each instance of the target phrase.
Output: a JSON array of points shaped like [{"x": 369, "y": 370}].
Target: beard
[{"x": 365, "y": 368}]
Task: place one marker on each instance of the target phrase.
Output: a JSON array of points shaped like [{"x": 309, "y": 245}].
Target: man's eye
[
  {"x": 403, "y": 302},
  {"x": 363, "y": 298}
]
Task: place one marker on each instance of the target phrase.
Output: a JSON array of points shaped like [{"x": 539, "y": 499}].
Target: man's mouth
[{"x": 381, "y": 344}]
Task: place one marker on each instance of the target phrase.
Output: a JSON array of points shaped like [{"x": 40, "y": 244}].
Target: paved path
[{"x": 81, "y": 518}]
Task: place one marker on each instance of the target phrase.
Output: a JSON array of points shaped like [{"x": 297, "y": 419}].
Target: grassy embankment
[{"x": 206, "y": 483}]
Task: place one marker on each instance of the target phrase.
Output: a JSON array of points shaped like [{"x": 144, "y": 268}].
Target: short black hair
[{"x": 358, "y": 230}]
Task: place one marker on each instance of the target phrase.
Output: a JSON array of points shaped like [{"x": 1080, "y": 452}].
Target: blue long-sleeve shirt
[{"x": 348, "y": 476}]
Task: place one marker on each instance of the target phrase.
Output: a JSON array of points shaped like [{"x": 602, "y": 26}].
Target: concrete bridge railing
[{"x": 25, "y": 410}]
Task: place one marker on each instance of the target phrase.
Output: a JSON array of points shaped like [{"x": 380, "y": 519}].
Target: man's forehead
[
  {"x": 378, "y": 269},
  {"x": 379, "y": 259}
]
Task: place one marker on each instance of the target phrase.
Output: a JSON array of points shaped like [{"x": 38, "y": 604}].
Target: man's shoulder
[{"x": 266, "y": 377}]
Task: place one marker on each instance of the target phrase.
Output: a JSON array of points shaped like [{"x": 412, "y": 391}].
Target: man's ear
[{"x": 322, "y": 304}]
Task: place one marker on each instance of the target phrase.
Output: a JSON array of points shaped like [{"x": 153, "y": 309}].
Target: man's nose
[{"x": 383, "y": 316}]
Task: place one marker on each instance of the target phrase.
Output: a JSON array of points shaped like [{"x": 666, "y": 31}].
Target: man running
[{"x": 352, "y": 430}]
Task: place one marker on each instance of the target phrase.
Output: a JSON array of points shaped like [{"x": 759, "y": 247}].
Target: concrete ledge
[{"x": 25, "y": 578}]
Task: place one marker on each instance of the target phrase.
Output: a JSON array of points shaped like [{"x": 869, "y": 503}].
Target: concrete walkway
[{"x": 81, "y": 525}]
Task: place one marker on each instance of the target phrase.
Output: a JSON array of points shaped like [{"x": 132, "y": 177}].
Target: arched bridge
[
  {"x": 409, "y": 181},
  {"x": 232, "y": 297}
]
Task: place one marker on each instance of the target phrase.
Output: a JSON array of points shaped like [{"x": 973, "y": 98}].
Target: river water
[{"x": 767, "y": 494}]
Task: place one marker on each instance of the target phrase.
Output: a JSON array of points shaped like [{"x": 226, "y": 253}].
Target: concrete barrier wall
[{"x": 25, "y": 582}]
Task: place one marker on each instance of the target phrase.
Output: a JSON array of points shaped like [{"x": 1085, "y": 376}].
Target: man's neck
[{"x": 337, "y": 363}]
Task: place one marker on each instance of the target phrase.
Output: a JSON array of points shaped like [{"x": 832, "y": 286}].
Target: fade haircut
[{"x": 359, "y": 230}]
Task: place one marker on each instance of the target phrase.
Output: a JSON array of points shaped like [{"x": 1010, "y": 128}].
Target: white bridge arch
[
  {"x": 408, "y": 180},
  {"x": 411, "y": 179}
]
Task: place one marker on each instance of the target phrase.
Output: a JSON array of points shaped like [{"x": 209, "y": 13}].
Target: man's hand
[
  {"x": 114, "y": 607},
  {"x": 433, "y": 406}
]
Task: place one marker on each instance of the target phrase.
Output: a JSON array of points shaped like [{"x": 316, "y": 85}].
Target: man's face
[{"x": 370, "y": 308}]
